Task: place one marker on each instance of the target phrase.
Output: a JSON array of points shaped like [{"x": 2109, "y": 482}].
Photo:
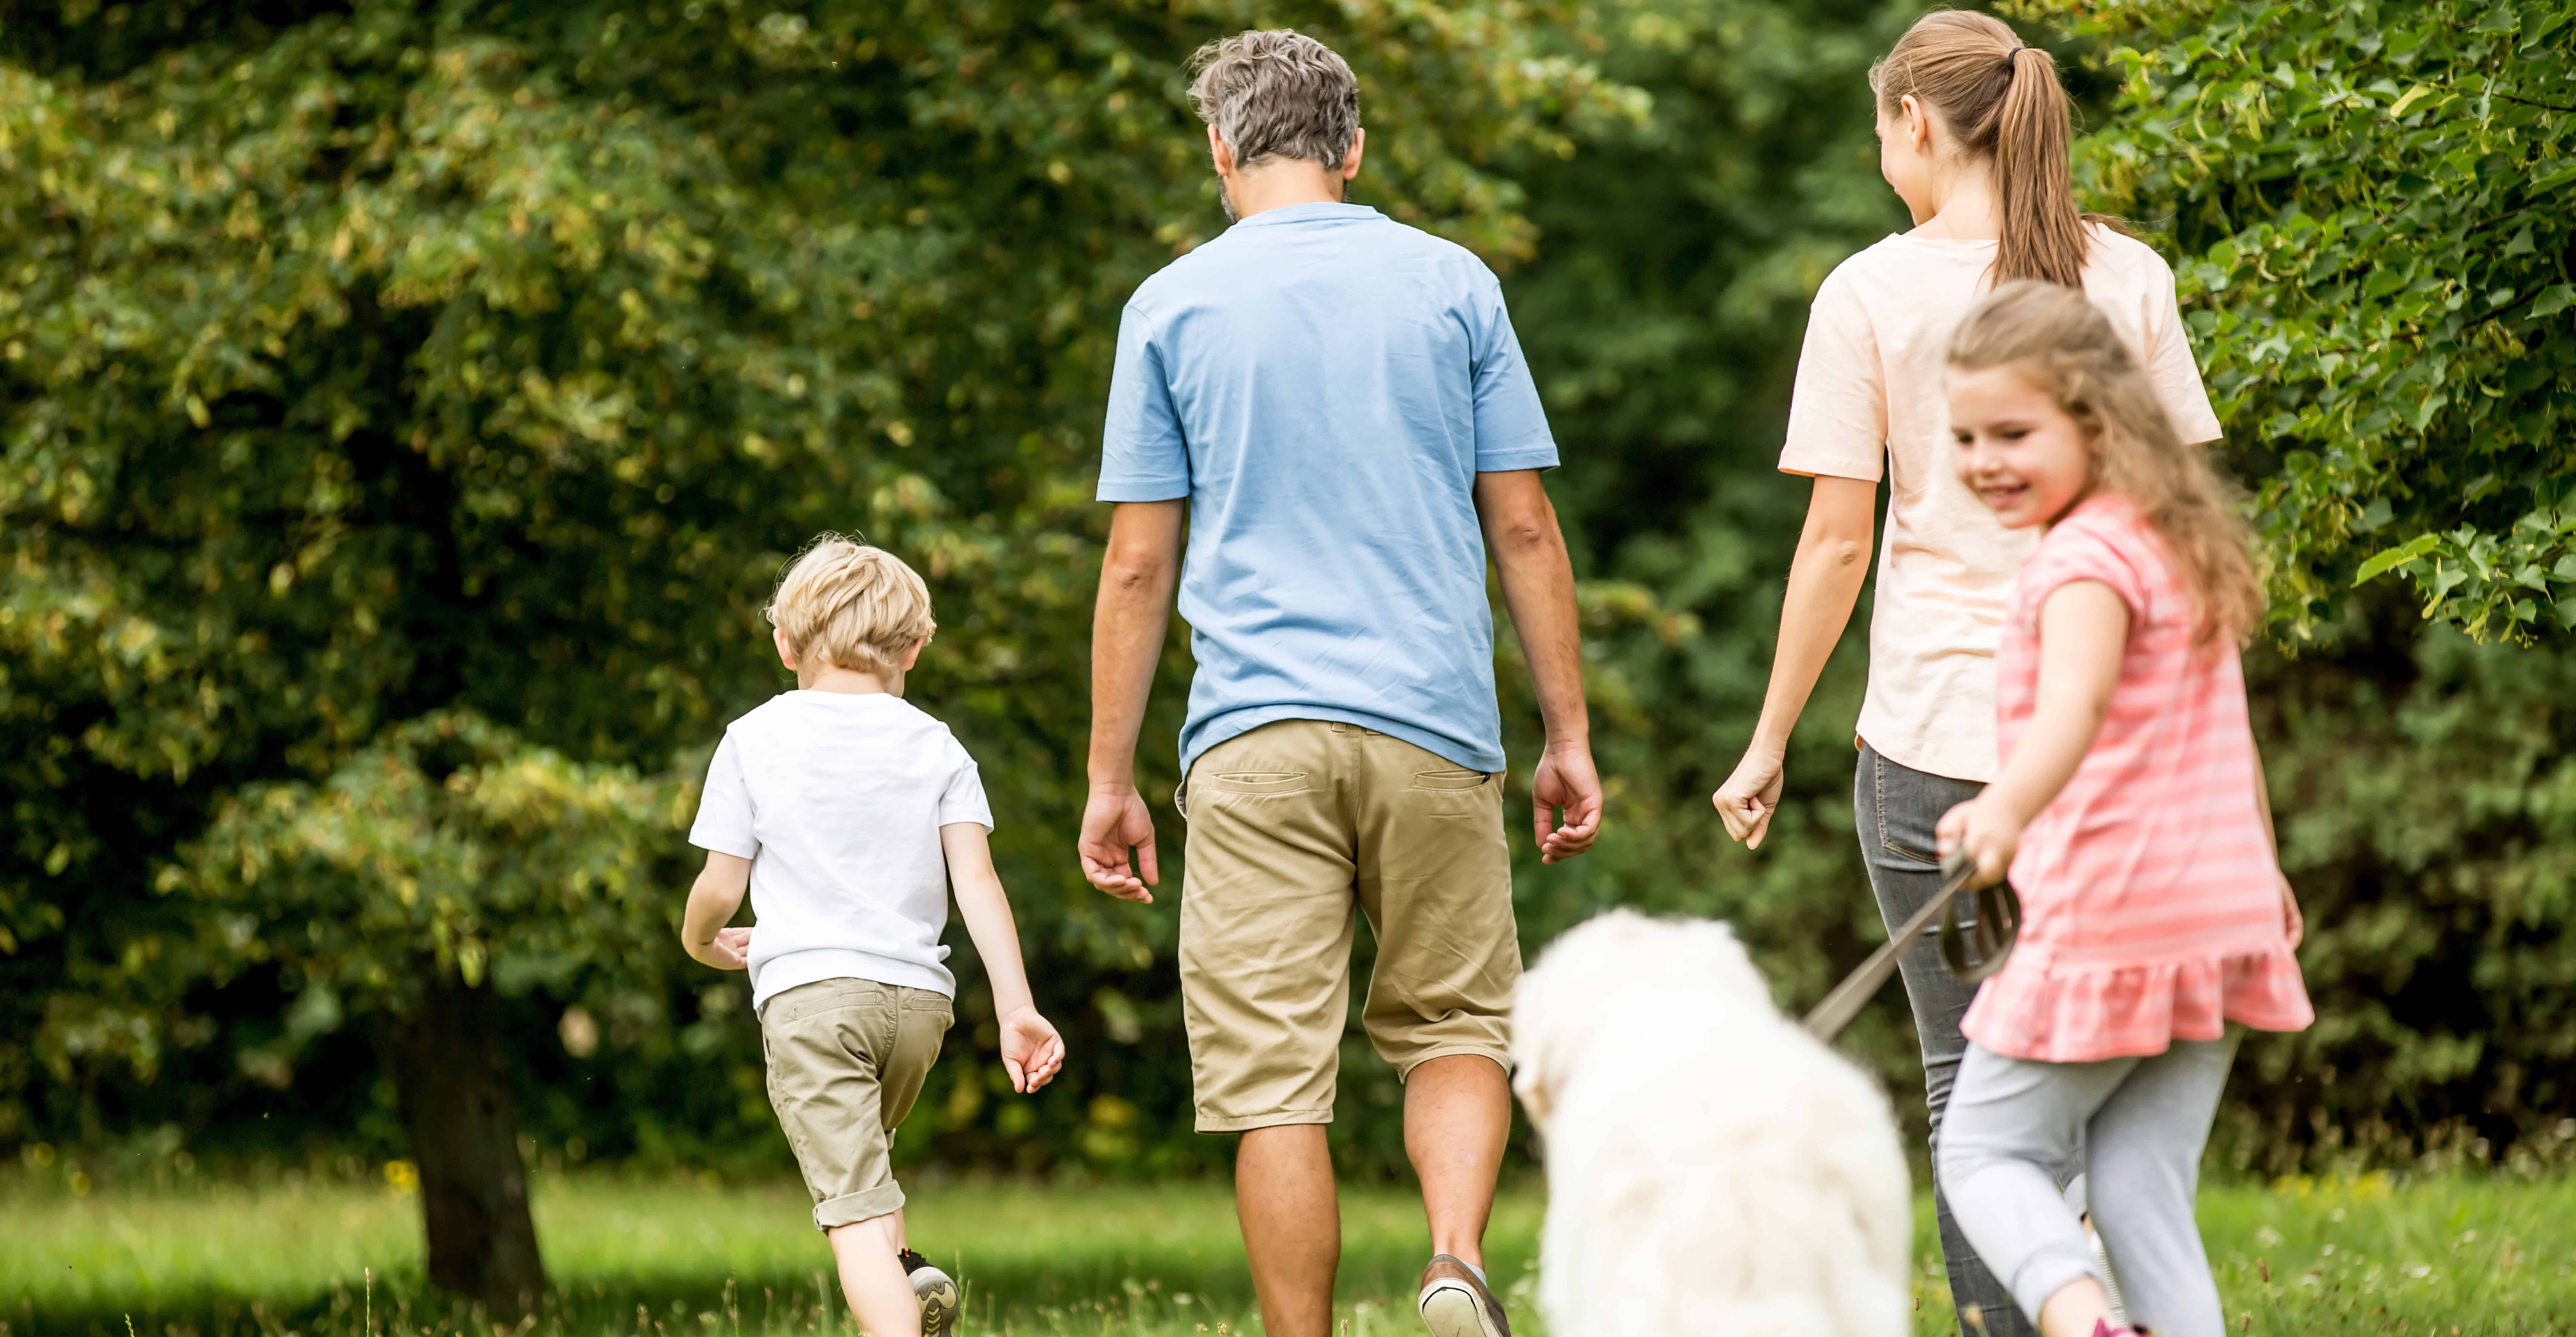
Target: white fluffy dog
[{"x": 1711, "y": 1168}]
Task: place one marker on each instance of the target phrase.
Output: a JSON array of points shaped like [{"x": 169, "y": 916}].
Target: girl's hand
[
  {"x": 1987, "y": 832},
  {"x": 2293, "y": 924},
  {"x": 1749, "y": 797},
  {"x": 1031, "y": 1049}
]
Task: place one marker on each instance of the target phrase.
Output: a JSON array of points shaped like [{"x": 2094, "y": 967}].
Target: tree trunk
[{"x": 465, "y": 1137}]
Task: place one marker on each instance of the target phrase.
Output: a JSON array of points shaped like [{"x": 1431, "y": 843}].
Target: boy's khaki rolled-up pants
[{"x": 846, "y": 1060}]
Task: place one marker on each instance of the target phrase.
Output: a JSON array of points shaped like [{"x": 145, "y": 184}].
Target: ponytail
[{"x": 2003, "y": 102}]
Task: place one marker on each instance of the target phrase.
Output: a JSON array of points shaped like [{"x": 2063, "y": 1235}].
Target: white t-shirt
[
  {"x": 1868, "y": 402},
  {"x": 837, "y": 800}
]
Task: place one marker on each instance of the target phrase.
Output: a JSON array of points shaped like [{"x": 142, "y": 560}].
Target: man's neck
[{"x": 1276, "y": 185}]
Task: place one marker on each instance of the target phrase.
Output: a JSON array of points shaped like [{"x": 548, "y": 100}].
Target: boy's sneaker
[
  {"x": 1457, "y": 1303},
  {"x": 937, "y": 1292}
]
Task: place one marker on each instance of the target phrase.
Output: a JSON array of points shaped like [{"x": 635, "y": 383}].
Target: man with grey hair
[{"x": 1334, "y": 408}]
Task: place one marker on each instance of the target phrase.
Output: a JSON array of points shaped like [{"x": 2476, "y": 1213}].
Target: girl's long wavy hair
[
  {"x": 2055, "y": 338},
  {"x": 2003, "y": 102}
]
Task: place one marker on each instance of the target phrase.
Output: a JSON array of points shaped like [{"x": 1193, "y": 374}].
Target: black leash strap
[{"x": 1971, "y": 952}]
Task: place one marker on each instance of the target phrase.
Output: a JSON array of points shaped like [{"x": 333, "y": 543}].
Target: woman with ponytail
[{"x": 1973, "y": 132}]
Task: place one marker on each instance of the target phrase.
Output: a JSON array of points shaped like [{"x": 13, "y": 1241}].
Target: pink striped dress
[{"x": 2151, "y": 900}]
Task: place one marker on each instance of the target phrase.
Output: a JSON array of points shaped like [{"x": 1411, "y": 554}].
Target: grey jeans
[
  {"x": 1895, "y": 807},
  {"x": 2140, "y": 1125}
]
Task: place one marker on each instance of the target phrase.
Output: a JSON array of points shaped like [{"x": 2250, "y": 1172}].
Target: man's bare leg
[
  {"x": 1292, "y": 1226},
  {"x": 1457, "y": 1116}
]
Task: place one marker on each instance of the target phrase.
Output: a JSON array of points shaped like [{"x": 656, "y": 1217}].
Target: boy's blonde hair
[
  {"x": 2067, "y": 349},
  {"x": 852, "y": 606}
]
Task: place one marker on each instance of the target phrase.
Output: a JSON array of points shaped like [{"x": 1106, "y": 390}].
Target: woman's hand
[
  {"x": 1749, "y": 797},
  {"x": 2293, "y": 924},
  {"x": 1989, "y": 833}
]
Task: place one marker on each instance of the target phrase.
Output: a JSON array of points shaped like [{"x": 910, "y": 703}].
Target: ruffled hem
[{"x": 2057, "y": 1013}]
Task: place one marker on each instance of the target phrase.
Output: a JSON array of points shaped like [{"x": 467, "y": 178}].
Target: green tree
[
  {"x": 2371, "y": 205},
  {"x": 375, "y": 371},
  {"x": 445, "y": 855}
]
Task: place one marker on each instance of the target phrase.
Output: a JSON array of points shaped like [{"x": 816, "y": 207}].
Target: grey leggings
[{"x": 2139, "y": 1125}]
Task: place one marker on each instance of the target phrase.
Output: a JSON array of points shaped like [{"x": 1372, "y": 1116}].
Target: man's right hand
[
  {"x": 1114, "y": 820},
  {"x": 1749, "y": 797}
]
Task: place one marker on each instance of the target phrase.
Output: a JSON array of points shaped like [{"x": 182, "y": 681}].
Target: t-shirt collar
[{"x": 1309, "y": 212}]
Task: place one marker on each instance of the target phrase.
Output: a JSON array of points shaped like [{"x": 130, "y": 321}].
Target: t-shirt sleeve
[
  {"x": 724, "y": 807},
  {"x": 2170, "y": 366},
  {"x": 1511, "y": 425},
  {"x": 1838, "y": 402},
  {"x": 963, "y": 799},
  {"x": 1144, "y": 455},
  {"x": 2083, "y": 549}
]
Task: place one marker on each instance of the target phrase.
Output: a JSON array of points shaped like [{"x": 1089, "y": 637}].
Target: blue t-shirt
[{"x": 1324, "y": 384}]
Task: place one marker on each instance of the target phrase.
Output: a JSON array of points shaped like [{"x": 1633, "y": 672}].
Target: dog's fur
[{"x": 1711, "y": 1167}]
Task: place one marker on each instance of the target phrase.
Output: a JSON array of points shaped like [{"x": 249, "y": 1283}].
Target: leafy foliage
[
  {"x": 375, "y": 369},
  {"x": 448, "y": 844},
  {"x": 2428, "y": 818},
  {"x": 2372, "y": 205},
  {"x": 393, "y": 397}
]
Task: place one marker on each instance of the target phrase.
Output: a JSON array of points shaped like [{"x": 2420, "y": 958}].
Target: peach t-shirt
[{"x": 1868, "y": 402}]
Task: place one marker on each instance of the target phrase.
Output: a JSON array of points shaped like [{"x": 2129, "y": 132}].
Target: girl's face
[
  {"x": 2017, "y": 450},
  {"x": 1905, "y": 135}
]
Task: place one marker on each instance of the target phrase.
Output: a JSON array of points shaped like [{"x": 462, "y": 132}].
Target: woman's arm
[
  {"x": 1031, "y": 1049},
  {"x": 2083, "y": 633},
  {"x": 1824, "y": 582}
]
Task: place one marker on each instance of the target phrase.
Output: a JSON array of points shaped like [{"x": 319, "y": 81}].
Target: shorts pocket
[
  {"x": 1451, "y": 779},
  {"x": 1259, "y": 782}
]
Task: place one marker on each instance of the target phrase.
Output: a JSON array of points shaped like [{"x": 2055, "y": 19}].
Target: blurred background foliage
[{"x": 397, "y": 393}]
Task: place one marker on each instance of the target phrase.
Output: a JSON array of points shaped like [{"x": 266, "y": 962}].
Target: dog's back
[{"x": 1711, "y": 1168}]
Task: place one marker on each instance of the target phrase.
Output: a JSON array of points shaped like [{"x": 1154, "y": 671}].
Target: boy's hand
[
  {"x": 731, "y": 949},
  {"x": 1987, "y": 832},
  {"x": 1031, "y": 1049}
]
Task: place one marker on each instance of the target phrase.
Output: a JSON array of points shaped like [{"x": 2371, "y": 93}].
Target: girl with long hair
[
  {"x": 1973, "y": 132},
  {"x": 2131, "y": 812}
]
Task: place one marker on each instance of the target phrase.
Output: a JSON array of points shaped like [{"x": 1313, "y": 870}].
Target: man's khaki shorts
[
  {"x": 846, "y": 1060},
  {"x": 1291, "y": 827}
]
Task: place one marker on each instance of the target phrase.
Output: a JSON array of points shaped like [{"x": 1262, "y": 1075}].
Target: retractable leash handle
[{"x": 1998, "y": 923}]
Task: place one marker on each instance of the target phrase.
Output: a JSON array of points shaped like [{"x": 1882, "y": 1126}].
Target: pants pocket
[{"x": 1259, "y": 782}]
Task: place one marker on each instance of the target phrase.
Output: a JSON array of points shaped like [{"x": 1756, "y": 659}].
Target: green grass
[{"x": 684, "y": 1259}]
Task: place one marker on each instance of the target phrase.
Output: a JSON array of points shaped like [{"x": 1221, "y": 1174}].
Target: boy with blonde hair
[{"x": 847, "y": 815}]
